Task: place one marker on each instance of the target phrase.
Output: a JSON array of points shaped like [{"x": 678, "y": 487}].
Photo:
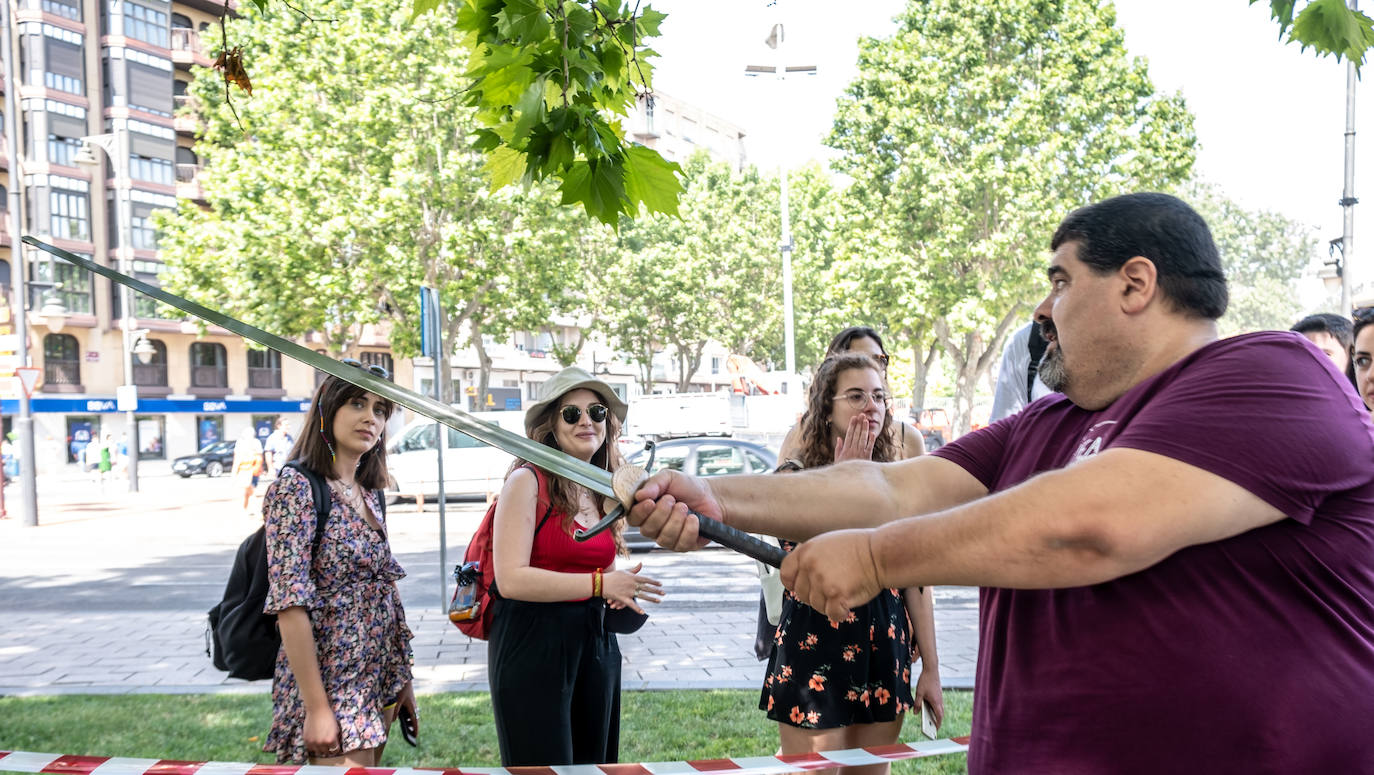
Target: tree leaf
[
  {"x": 652, "y": 181},
  {"x": 649, "y": 21},
  {"x": 504, "y": 166},
  {"x": 523, "y": 20}
]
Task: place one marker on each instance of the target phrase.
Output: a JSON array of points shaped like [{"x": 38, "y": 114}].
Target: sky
[{"x": 1270, "y": 119}]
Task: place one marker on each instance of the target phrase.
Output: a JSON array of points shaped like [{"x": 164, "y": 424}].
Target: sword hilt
[{"x": 626, "y": 482}]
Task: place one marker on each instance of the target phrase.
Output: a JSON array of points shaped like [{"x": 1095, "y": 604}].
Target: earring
[{"x": 326, "y": 440}]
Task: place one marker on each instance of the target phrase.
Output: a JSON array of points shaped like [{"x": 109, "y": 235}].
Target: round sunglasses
[
  {"x": 571, "y": 414},
  {"x": 379, "y": 371}
]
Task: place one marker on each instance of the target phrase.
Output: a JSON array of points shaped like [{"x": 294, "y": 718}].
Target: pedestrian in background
[
  {"x": 833, "y": 685},
  {"x": 277, "y": 450},
  {"x": 862, "y": 339},
  {"x": 553, "y": 666},
  {"x": 1332, "y": 334},
  {"x": 344, "y": 668},
  {"x": 247, "y": 464}
]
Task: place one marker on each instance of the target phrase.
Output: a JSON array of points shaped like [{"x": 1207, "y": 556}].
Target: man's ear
[{"x": 1139, "y": 284}]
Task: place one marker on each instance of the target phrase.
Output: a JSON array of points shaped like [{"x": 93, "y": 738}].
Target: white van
[{"x": 470, "y": 467}]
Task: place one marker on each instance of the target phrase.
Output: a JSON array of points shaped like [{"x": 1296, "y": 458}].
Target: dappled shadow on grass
[{"x": 456, "y": 729}]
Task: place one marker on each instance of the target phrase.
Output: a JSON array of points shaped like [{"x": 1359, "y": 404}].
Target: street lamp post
[
  {"x": 23, "y": 424},
  {"x": 1348, "y": 199},
  {"x": 780, "y": 71},
  {"x": 116, "y": 147}
]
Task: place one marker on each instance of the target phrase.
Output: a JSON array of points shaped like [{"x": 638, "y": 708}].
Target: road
[{"x": 109, "y": 594}]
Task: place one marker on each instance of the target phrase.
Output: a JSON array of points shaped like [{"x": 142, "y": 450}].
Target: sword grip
[{"x": 740, "y": 541}]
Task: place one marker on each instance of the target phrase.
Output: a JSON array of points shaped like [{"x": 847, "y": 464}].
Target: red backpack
[{"x": 470, "y": 610}]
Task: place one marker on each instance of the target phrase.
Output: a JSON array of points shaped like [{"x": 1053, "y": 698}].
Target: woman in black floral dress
[
  {"x": 836, "y": 685},
  {"x": 344, "y": 666}
]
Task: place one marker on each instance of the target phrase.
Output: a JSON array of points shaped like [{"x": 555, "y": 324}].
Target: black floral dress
[
  {"x": 824, "y": 674},
  {"x": 361, "y": 638}
]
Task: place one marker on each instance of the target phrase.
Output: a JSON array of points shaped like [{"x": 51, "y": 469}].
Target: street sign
[
  {"x": 126, "y": 398},
  {"x": 28, "y": 377}
]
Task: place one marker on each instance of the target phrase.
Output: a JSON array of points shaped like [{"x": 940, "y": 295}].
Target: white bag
[{"x": 770, "y": 579}]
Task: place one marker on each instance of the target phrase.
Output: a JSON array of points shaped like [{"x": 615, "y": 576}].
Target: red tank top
[{"x": 555, "y": 549}]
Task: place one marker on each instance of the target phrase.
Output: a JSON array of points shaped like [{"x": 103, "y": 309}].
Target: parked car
[
  {"x": 471, "y": 468},
  {"x": 212, "y": 460},
  {"x": 705, "y": 457}
]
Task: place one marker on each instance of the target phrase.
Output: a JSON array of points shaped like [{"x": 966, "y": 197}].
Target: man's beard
[{"x": 1052, "y": 371}]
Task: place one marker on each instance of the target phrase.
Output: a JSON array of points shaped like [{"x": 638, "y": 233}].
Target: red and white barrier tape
[{"x": 66, "y": 764}]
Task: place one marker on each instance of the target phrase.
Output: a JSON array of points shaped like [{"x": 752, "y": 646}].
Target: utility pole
[
  {"x": 23, "y": 424},
  {"x": 780, "y": 71},
  {"x": 1348, "y": 200}
]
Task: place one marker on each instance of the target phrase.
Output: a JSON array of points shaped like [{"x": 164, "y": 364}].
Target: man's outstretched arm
[
  {"x": 1099, "y": 519},
  {"x": 803, "y": 504}
]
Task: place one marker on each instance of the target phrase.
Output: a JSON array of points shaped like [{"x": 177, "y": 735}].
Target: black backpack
[{"x": 240, "y": 638}]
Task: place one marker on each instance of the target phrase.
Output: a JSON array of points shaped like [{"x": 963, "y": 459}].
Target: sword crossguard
[{"x": 625, "y": 481}]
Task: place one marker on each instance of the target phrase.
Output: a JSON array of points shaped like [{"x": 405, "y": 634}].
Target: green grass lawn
[{"x": 456, "y": 729}]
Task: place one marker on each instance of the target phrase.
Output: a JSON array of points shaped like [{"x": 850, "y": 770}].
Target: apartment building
[{"x": 119, "y": 67}]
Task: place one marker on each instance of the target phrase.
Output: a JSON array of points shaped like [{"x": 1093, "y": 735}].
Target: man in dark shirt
[{"x": 1175, "y": 554}]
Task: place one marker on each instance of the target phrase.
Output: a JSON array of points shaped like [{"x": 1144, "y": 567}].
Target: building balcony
[
  {"x": 187, "y": 185},
  {"x": 187, "y": 48}
]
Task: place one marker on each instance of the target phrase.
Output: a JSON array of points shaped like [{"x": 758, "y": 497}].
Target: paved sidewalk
[{"x": 109, "y": 595}]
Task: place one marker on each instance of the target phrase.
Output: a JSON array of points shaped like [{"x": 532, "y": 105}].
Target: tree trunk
[
  {"x": 920, "y": 377},
  {"x": 973, "y": 357},
  {"x": 484, "y": 365},
  {"x": 688, "y": 360}
]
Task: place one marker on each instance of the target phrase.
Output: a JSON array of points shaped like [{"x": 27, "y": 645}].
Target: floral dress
[
  {"x": 361, "y": 639},
  {"x": 824, "y": 674}
]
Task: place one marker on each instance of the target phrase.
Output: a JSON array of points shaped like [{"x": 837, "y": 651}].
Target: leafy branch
[{"x": 1329, "y": 26}]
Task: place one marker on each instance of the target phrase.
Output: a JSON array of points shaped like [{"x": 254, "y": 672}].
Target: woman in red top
[{"x": 553, "y": 669}]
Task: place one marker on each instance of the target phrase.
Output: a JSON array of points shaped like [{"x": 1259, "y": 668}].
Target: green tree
[
  {"x": 712, "y": 274},
  {"x": 358, "y": 184},
  {"x": 969, "y": 135},
  {"x": 1264, "y": 254}
]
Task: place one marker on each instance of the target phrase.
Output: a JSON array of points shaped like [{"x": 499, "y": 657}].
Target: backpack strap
[
  {"x": 542, "y": 496},
  {"x": 323, "y": 500}
]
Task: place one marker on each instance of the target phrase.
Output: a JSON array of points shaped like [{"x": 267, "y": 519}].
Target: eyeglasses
[
  {"x": 882, "y": 360},
  {"x": 380, "y": 371},
  {"x": 858, "y": 399},
  {"x": 571, "y": 414}
]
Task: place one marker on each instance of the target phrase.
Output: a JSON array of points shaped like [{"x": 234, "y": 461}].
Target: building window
[
  {"x": 70, "y": 215},
  {"x": 63, "y": 8},
  {"x": 61, "y": 360},
  {"x": 150, "y": 169},
  {"x": 145, "y": 24},
  {"x": 264, "y": 370},
  {"x": 62, "y": 150},
  {"x": 142, "y": 233},
  {"x": 72, "y": 284},
  {"x": 154, "y": 372},
  {"x": 151, "y": 432},
  {"x": 378, "y": 359},
  {"x": 150, "y": 89},
  {"x": 209, "y": 366},
  {"x": 149, "y": 272},
  {"x": 65, "y": 69}
]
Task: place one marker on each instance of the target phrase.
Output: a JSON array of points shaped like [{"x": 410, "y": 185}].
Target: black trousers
[{"x": 555, "y": 683}]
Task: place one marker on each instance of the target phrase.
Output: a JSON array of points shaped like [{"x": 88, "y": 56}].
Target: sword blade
[{"x": 548, "y": 458}]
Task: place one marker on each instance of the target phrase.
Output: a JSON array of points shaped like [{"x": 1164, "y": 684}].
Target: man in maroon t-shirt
[{"x": 1177, "y": 555}]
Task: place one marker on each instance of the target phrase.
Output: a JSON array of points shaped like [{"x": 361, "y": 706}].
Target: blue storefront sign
[{"x": 158, "y": 406}]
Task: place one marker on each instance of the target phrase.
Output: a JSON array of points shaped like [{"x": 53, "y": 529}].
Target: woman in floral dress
[
  {"x": 344, "y": 665},
  {"x": 837, "y": 685}
]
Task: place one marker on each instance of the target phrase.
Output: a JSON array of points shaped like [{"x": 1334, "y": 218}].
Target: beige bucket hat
[{"x": 572, "y": 378}]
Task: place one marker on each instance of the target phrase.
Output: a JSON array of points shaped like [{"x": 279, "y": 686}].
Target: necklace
[{"x": 347, "y": 489}]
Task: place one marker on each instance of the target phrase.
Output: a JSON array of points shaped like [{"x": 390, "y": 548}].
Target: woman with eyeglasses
[
  {"x": 344, "y": 665},
  {"x": 837, "y": 685},
  {"x": 552, "y": 664},
  {"x": 862, "y": 339}
]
